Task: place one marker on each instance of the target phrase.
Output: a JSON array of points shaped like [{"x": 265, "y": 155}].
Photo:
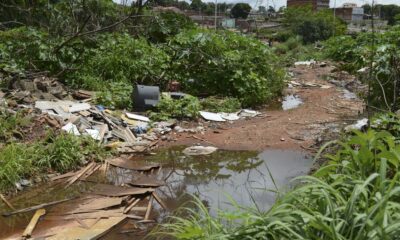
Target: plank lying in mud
[
  {"x": 147, "y": 181},
  {"x": 99, "y": 229},
  {"x": 29, "y": 209},
  {"x": 133, "y": 165},
  {"x": 116, "y": 191}
]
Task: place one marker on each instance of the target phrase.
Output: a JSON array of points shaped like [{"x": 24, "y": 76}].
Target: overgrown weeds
[{"x": 59, "y": 152}]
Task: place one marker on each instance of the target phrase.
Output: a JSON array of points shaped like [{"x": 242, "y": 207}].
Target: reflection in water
[
  {"x": 243, "y": 175},
  {"x": 291, "y": 101}
]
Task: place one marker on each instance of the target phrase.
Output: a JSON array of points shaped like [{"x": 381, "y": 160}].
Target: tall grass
[
  {"x": 354, "y": 196},
  {"x": 58, "y": 152}
]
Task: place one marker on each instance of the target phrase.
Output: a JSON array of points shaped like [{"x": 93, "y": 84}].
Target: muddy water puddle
[
  {"x": 288, "y": 102},
  {"x": 250, "y": 178}
]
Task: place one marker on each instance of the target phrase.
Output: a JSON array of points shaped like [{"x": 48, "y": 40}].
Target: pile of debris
[{"x": 95, "y": 213}]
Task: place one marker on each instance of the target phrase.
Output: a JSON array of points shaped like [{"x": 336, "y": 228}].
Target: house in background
[
  {"x": 316, "y": 4},
  {"x": 349, "y": 12}
]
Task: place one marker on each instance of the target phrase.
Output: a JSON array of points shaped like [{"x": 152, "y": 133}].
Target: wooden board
[
  {"x": 96, "y": 231},
  {"x": 116, "y": 191},
  {"x": 133, "y": 165},
  {"x": 147, "y": 181}
]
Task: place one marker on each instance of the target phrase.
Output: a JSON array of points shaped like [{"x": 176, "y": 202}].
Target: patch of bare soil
[{"x": 326, "y": 108}]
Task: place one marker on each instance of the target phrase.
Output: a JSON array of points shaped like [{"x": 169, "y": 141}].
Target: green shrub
[
  {"x": 167, "y": 108},
  {"x": 226, "y": 64},
  {"x": 312, "y": 25},
  {"x": 116, "y": 95},
  {"x": 121, "y": 58}
]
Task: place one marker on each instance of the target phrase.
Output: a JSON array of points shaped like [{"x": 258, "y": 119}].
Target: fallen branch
[
  {"x": 29, "y": 209},
  {"x": 6, "y": 202}
]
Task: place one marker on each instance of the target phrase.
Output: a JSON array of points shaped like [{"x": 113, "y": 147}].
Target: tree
[
  {"x": 271, "y": 9},
  {"x": 240, "y": 10},
  {"x": 196, "y": 5},
  {"x": 313, "y": 26}
]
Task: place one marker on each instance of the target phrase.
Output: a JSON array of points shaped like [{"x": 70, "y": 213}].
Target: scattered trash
[
  {"x": 305, "y": 63},
  {"x": 137, "y": 117},
  {"x": 248, "y": 113},
  {"x": 291, "y": 102},
  {"x": 359, "y": 125},
  {"x": 199, "y": 150},
  {"x": 145, "y": 97},
  {"x": 71, "y": 128},
  {"x": 212, "y": 116}
]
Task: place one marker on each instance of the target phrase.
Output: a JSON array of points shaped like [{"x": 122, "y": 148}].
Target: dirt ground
[{"x": 325, "y": 109}]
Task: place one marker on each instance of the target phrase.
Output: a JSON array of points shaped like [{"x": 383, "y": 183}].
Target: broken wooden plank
[
  {"x": 89, "y": 173},
  {"x": 6, "y": 202},
  {"x": 32, "y": 224},
  {"x": 133, "y": 165},
  {"x": 92, "y": 204},
  {"x": 159, "y": 200},
  {"x": 128, "y": 208},
  {"x": 65, "y": 175},
  {"x": 116, "y": 191},
  {"x": 146, "y": 181},
  {"x": 102, "y": 131},
  {"x": 129, "y": 135},
  {"x": 98, "y": 230},
  {"x": 79, "y": 174},
  {"x": 43, "y": 205},
  {"x": 149, "y": 205},
  {"x": 103, "y": 213}
]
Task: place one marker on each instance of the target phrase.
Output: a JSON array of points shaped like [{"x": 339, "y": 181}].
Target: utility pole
[
  {"x": 216, "y": 13},
  {"x": 334, "y": 18}
]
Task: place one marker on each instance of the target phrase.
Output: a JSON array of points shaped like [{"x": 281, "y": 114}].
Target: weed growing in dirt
[
  {"x": 115, "y": 95},
  {"x": 58, "y": 152},
  {"x": 11, "y": 124}
]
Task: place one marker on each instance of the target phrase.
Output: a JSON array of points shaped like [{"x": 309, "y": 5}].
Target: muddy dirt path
[{"x": 324, "y": 107}]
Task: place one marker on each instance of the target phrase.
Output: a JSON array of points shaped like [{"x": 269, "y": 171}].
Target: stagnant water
[
  {"x": 288, "y": 102},
  {"x": 250, "y": 178}
]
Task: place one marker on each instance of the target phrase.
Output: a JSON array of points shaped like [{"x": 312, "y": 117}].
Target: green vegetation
[
  {"x": 58, "y": 152},
  {"x": 313, "y": 26},
  {"x": 354, "y": 196},
  {"x": 240, "y": 10},
  {"x": 381, "y": 51},
  {"x": 11, "y": 125},
  {"x": 226, "y": 64},
  {"x": 214, "y": 104},
  {"x": 186, "y": 107}
]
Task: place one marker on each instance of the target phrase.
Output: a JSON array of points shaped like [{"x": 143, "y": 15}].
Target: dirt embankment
[{"x": 326, "y": 108}]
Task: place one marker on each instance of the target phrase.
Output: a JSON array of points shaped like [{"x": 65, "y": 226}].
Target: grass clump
[
  {"x": 58, "y": 152},
  {"x": 117, "y": 95},
  {"x": 11, "y": 125}
]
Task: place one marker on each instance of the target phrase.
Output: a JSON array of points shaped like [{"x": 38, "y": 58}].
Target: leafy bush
[
  {"x": 380, "y": 50},
  {"x": 164, "y": 25},
  {"x": 115, "y": 95},
  {"x": 186, "y": 107},
  {"x": 225, "y": 64},
  {"x": 214, "y": 104},
  {"x": 121, "y": 58},
  {"x": 312, "y": 25}
]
